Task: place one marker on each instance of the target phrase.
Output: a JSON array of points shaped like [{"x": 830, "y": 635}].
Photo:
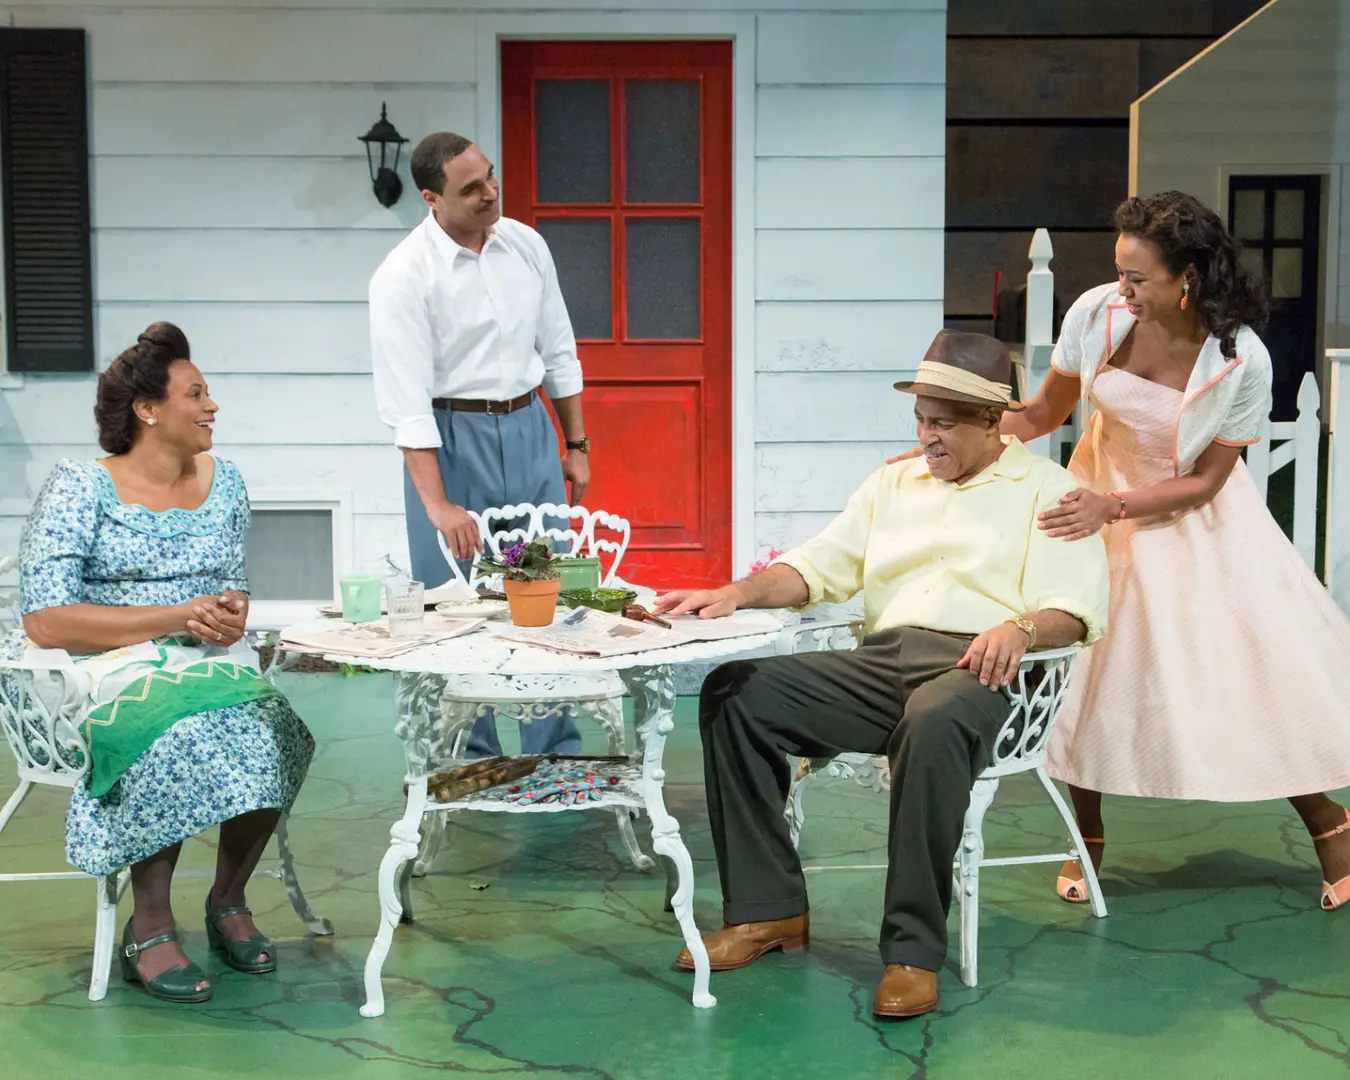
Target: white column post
[
  {"x": 1338, "y": 482},
  {"x": 1040, "y": 328}
]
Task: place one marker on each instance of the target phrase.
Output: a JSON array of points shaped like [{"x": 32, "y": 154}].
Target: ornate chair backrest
[
  {"x": 1037, "y": 694},
  {"x": 42, "y": 707},
  {"x": 573, "y": 529},
  {"x": 9, "y": 597}
]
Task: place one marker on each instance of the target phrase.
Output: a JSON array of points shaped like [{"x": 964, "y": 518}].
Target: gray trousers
[
  {"x": 899, "y": 694},
  {"x": 492, "y": 461}
]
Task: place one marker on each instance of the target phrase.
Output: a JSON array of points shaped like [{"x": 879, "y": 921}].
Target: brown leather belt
[{"x": 492, "y": 408}]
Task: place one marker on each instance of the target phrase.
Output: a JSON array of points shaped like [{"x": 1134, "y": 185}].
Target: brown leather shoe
[
  {"x": 905, "y": 991},
  {"x": 741, "y": 945}
]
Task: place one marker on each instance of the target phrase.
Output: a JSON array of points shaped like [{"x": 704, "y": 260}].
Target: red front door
[{"x": 619, "y": 153}]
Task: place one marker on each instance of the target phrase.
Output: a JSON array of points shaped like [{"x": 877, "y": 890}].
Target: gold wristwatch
[{"x": 1028, "y": 627}]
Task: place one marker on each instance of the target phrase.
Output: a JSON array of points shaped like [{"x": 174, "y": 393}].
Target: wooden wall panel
[
  {"x": 1000, "y": 79},
  {"x": 1079, "y": 17},
  {"x": 1025, "y": 177},
  {"x": 1081, "y": 261}
]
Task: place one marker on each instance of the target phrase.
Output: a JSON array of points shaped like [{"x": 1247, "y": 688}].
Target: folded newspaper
[
  {"x": 370, "y": 640},
  {"x": 587, "y": 632}
]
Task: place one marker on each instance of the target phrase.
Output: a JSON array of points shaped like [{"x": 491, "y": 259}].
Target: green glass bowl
[{"x": 610, "y": 600}]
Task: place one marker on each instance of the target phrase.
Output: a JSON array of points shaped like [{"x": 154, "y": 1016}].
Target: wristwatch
[
  {"x": 1028, "y": 627},
  {"x": 584, "y": 445}
]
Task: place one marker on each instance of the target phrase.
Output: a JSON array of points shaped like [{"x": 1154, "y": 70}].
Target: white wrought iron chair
[
  {"x": 1037, "y": 694},
  {"x": 598, "y": 697},
  {"x": 42, "y": 709}
]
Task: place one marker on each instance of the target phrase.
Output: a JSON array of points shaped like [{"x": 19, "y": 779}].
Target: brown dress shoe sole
[
  {"x": 791, "y": 943},
  {"x": 903, "y": 1014}
]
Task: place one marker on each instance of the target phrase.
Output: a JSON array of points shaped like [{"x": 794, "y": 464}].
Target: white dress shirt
[{"x": 446, "y": 322}]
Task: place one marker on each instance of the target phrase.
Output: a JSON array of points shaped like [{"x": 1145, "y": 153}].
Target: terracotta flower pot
[{"x": 532, "y": 602}]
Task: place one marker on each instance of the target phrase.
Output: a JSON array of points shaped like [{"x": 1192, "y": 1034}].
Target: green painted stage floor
[{"x": 1214, "y": 963}]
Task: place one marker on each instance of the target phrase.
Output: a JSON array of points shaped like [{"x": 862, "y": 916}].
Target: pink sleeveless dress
[{"x": 1225, "y": 672}]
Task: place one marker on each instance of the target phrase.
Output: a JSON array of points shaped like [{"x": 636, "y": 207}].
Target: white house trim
[
  {"x": 740, "y": 29},
  {"x": 338, "y": 503}
]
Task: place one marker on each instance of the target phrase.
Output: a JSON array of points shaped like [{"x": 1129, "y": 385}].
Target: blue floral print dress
[{"x": 83, "y": 545}]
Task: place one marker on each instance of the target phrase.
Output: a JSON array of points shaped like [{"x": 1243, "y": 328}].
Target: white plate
[{"x": 474, "y": 609}]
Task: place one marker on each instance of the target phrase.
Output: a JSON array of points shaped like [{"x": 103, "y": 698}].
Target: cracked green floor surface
[{"x": 1215, "y": 961}]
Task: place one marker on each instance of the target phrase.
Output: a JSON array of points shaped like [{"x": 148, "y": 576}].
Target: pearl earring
[{"x": 150, "y": 421}]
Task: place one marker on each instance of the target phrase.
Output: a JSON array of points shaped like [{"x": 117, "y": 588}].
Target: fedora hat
[{"x": 961, "y": 366}]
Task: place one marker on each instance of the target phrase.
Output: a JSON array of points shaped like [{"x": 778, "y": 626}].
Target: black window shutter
[{"x": 44, "y": 151}]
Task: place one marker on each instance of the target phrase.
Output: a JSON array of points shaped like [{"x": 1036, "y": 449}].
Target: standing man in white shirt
[{"x": 467, "y": 326}]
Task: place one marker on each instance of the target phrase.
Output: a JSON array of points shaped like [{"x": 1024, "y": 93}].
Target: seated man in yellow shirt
[{"x": 959, "y": 583}]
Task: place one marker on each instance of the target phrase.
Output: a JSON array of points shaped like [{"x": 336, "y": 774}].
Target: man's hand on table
[
  {"x": 996, "y": 655},
  {"x": 706, "y": 603}
]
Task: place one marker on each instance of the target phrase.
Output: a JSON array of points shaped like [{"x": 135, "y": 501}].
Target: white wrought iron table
[{"x": 420, "y": 680}]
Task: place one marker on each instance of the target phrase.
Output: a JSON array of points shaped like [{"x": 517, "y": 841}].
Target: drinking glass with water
[{"x": 407, "y": 608}]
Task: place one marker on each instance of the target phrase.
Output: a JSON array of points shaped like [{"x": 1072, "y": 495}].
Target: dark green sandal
[
  {"x": 240, "y": 955},
  {"x": 177, "y": 984}
]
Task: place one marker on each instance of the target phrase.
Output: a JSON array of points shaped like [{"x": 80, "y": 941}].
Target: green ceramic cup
[
  {"x": 360, "y": 597},
  {"x": 582, "y": 572}
]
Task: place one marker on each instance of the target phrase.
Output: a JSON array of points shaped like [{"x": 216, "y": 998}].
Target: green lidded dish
[{"x": 610, "y": 600}]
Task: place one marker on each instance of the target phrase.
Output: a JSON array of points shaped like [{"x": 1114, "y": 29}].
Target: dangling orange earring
[{"x": 1185, "y": 296}]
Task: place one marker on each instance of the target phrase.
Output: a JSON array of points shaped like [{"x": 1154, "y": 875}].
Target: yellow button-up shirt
[{"x": 959, "y": 558}]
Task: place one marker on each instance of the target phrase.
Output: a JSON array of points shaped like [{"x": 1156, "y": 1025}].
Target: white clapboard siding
[
  {"x": 817, "y": 477},
  {"x": 852, "y": 48},
  {"x": 171, "y": 120},
  {"x": 850, "y": 193},
  {"x": 372, "y": 473},
  {"x": 231, "y": 197},
  {"x": 508, "y": 6},
  {"x": 851, "y": 121},
  {"x": 844, "y": 406},
  {"x": 247, "y": 193},
  {"x": 301, "y": 338},
  {"x": 822, "y": 264},
  {"x": 841, "y": 336},
  {"x": 257, "y": 45},
  {"x": 239, "y": 264},
  {"x": 788, "y": 530},
  {"x": 292, "y": 409}
]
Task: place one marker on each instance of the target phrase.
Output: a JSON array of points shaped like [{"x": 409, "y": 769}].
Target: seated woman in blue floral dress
[{"x": 134, "y": 565}]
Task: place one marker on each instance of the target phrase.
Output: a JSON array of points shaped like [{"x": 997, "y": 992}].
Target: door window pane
[
  {"x": 663, "y": 263},
  {"x": 1286, "y": 277},
  {"x": 1254, "y": 260},
  {"x": 661, "y": 140},
  {"x": 580, "y": 248},
  {"x": 1249, "y": 214},
  {"x": 571, "y": 140},
  {"x": 1289, "y": 214}
]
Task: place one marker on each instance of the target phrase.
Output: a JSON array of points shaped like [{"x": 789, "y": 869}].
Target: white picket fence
[{"x": 1298, "y": 440}]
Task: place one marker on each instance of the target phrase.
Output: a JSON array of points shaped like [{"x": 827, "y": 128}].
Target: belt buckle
[{"x": 498, "y": 408}]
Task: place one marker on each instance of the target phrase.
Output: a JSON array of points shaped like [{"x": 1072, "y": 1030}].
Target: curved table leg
[
  {"x": 403, "y": 839},
  {"x": 653, "y": 691}
]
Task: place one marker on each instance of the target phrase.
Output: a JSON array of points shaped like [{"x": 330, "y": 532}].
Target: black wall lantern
[{"x": 384, "y": 173}]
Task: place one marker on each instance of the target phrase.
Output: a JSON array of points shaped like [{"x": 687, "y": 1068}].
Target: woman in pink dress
[{"x": 1226, "y": 674}]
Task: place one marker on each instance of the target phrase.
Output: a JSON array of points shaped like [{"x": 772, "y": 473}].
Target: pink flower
[{"x": 756, "y": 567}]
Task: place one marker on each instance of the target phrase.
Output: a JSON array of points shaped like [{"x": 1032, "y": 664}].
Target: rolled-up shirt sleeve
[
  {"x": 401, "y": 356},
  {"x": 1066, "y": 575},
  {"x": 554, "y": 340},
  {"x": 831, "y": 563}
]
